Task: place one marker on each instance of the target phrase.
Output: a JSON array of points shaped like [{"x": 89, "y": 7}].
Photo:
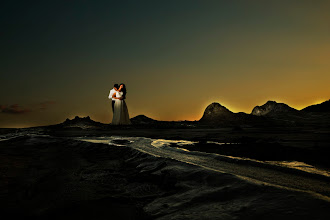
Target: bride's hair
[{"x": 123, "y": 90}]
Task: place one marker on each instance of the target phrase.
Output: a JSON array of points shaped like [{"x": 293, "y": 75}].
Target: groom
[{"x": 112, "y": 91}]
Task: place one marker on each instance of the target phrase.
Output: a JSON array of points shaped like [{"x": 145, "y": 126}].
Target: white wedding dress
[{"x": 120, "y": 113}]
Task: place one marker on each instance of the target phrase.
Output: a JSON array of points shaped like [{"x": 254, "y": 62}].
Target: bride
[{"x": 120, "y": 113}]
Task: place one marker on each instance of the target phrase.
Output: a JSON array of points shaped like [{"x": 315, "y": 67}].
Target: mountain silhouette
[
  {"x": 322, "y": 107},
  {"x": 142, "y": 119},
  {"x": 80, "y": 122},
  {"x": 215, "y": 113},
  {"x": 269, "y": 114},
  {"x": 272, "y": 108}
]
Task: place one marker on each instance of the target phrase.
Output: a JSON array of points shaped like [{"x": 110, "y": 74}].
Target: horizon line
[{"x": 160, "y": 119}]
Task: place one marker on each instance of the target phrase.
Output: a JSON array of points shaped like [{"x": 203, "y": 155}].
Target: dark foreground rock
[{"x": 58, "y": 178}]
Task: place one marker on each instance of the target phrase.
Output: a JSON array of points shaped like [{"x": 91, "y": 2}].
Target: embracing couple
[{"x": 119, "y": 107}]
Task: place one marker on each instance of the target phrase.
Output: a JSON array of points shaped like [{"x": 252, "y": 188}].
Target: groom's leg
[{"x": 113, "y": 106}]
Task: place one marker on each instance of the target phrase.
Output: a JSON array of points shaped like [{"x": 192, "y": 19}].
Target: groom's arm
[{"x": 114, "y": 96}]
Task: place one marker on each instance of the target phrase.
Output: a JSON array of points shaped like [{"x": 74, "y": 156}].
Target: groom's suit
[{"x": 112, "y": 91}]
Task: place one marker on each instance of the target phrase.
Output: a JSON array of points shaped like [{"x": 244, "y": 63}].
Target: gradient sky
[{"x": 59, "y": 59}]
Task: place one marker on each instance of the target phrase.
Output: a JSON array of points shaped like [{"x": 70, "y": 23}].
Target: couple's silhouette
[{"x": 119, "y": 107}]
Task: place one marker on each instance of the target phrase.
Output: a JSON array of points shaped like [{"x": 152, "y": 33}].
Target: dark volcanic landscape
[{"x": 270, "y": 164}]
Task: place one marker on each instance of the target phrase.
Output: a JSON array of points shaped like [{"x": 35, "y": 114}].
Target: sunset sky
[{"x": 59, "y": 59}]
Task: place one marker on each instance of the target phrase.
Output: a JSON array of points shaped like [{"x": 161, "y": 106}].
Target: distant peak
[
  {"x": 78, "y": 119},
  {"x": 271, "y": 108},
  {"x": 141, "y": 116},
  {"x": 81, "y": 122},
  {"x": 214, "y": 111},
  {"x": 215, "y": 105},
  {"x": 322, "y": 107},
  {"x": 271, "y": 102},
  {"x": 142, "y": 119}
]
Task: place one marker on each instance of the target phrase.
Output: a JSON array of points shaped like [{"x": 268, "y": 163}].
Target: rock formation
[
  {"x": 142, "y": 119},
  {"x": 272, "y": 108},
  {"x": 215, "y": 111},
  {"x": 217, "y": 114},
  {"x": 84, "y": 122}
]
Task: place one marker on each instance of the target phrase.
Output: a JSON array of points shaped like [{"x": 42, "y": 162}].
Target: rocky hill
[
  {"x": 271, "y": 113},
  {"x": 215, "y": 111},
  {"x": 81, "y": 122},
  {"x": 217, "y": 114},
  {"x": 322, "y": 107},
  {"x": 142, "y": 120},
  {"x": 272, "y": 108}
]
